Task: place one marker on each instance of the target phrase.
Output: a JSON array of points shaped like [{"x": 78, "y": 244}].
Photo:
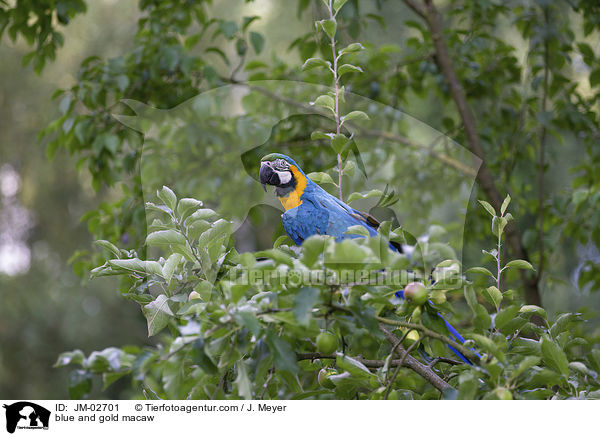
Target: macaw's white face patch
[{"x": 284, "y": 176}]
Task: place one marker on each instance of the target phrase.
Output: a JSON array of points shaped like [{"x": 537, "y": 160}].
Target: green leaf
[
  {"x": 248, "y": 319},
  {"x": 526, "y": 346},
  {"x": 277, "y": 255},
  {"x": 481, "y": 270},
  {"x": 329, "y": 26},
  {"x": 283, "y": 354},
  {"x": 228, "y": 28},
  {"x": 247, "y": 20},
  {"x": 349, "y": 255},
  {"x": 488, "y": 345},
  {"x": 122, "y": 82},
  {"x": 594, "y": 78},
  {"x": 505, "y": 204},
  {"x": 582, "y": 369},
  {"x": 280, "y": 241},
  {"x": 357, "y": 230},
  {"x": 170, "y": 264},
  {"x": 187, "y": 206},
  {"x": 136, "y": 265},
  {"x": 519, "y": 264},
  {"x": 321, "y": 178},
  {"x": 79, "y": 384},
  {"x": 199, "y": 357},
  {"x": 257, "y": 41},
  {"x": 554, "y": 356},
  {"x": 338, "y": 142},
  {"x": 363, "y": 195},
  {"x": 304, "y": 301},
  {"x": 192, "y": 40},
  {"x": 168, "y": 197},
  {"x": 158, "y": 313},
  {"x": 351, "y": 48},
  {"x": 74, "y": 357},
  {"x": 353, "y": 366},
  {"x": 108, "y": 378},
  {"x": 349, "y": 168},
  {"x": 563, "y": 322},
  {"x": 165, "y": 237},
  {"x": 109, "y": 359},
  {"x": 482, "y": 317},
  {"x": 488, "y": 207},
  {"x": 467, "y": 386},
  {"x": 242, "y": 381},
  {"x": 526, "y": 363},
  {"x": 531, "y": 308},
  {"x": 315, "y": 63},
  {"x": 312, "y": 248},
  {"x": 354, "y": 115},
  {"x": 594, "y": 359},
  {"x": 348, "y": 68},
  {"x": 337, "y": 4},
  {"x": 586, "y": 52},
  {"x": 493, "y": 295},
  {"x": 219, "y": 52},
  {"x": 65, "y": 104},
  {"x": 325, "y": 101},
  {"x": 201, "y": 214},
  {"x": 505, "y": 315},
  {"x": 108, "y": 246},
  {"x": 317, "y": 134}
]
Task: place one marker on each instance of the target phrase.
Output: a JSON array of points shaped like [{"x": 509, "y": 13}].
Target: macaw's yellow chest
[
  {"x": 293, "y": 198},
  {"x": 290, "y": 201}
]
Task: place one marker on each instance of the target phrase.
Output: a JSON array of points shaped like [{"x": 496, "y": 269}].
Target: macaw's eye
[{"x": 281, "y": 164}]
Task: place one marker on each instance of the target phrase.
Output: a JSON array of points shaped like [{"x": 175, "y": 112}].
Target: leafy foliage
[{"x": 250, "y": 325}]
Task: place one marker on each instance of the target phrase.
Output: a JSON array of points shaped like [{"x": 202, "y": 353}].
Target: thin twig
[
  {"x": 219, "y": 386},
  {"x": 337, "y": 91},
  {"x": 402, "y": 360},
  {"x": 441, "y": 359},
  {"x": 434, "y": 335},
  {"x": 371, "y": 363},
  {"x": 175, "y": 351},
  {"x": 267, "y": 381},
  {"x": 412, "y": 363}
]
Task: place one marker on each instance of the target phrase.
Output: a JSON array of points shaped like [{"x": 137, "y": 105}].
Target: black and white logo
[{"x": 26, "y": 415}]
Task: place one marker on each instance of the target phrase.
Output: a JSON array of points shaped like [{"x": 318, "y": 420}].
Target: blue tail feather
[{"x": 454, "y": 334}]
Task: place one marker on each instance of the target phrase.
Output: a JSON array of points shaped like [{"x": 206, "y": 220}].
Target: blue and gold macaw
[{"x": 310, "y": 210}]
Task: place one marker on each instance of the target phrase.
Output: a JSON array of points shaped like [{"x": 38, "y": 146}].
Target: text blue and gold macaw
[{"x": 310, "y": 210}]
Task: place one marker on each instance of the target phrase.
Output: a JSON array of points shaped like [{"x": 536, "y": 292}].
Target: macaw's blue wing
[{"x": 322, "y": 214}]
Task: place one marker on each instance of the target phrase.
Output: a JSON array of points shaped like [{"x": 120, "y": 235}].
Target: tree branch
[
  {"x": 373, "y": 363},
  {"x": 410, "y": 362},
  {"x": 433, "y": 335},
  {"x": 485, "y": 178}
]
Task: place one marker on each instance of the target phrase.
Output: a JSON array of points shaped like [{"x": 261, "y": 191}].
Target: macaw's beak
[{"x": 267, "y": 175}]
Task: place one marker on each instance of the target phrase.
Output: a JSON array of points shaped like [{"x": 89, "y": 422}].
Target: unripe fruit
[
  {"x": 193, "y": 295},
  {"x": 503, "y": 393},
  {"x": 415, "y": 293},
  {"x": 411, "y": 338},
  {"x": 326, "y": 343},
  {"x": 323, "y": 378}
]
